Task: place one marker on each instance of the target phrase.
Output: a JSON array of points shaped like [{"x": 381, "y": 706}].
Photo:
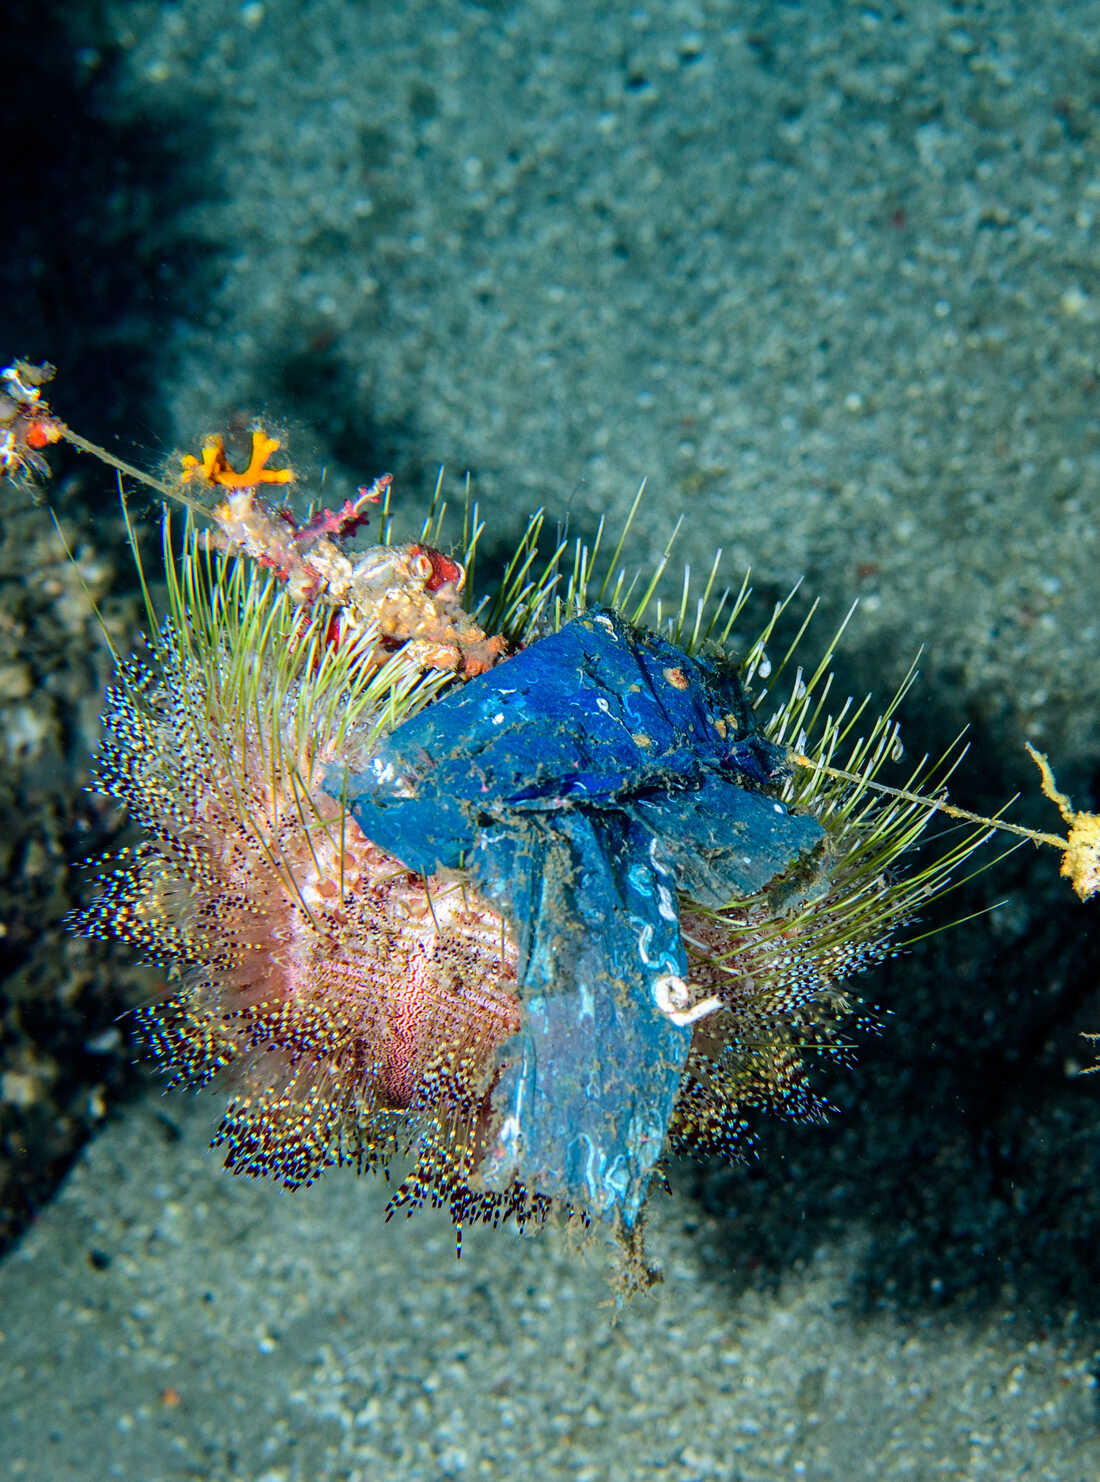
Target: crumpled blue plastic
[{"x": 582, "y": 783}]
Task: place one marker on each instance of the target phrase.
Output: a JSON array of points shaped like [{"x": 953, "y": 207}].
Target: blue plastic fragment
[{"x": 582, "y": 784}]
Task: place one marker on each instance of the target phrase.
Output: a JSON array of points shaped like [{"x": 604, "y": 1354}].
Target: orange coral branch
[{"x": 214, "y": 466}]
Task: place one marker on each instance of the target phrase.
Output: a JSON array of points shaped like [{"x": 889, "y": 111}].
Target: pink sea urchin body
[{"x": 354, "y": 1010}]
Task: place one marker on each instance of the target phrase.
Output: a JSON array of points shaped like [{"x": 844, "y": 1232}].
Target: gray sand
[
  {"x": 827, "y": 276},
  {"x": 240, "y": 1333}
]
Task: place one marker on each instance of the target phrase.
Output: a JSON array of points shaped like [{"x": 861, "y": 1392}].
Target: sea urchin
[
  {"x": 365, "y": 993},
  {"x": 521, "y": 893}
]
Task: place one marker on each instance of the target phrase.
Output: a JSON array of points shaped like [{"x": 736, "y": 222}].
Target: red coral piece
[{"x": 349, "y": 518}]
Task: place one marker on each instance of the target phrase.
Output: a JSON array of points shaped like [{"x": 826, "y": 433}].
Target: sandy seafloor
[{"x": 826, "y": 275}]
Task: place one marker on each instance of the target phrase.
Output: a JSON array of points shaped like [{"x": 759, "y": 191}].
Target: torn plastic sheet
[{"x": 582, "y": 784}]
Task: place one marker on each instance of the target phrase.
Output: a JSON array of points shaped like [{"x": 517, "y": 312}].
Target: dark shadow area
[
  {"x": 334, "y": 432},
  {"x": 314, "y": 385},
  {"x": 965, "y": 1146},
  {"x": 99, "y": 261}
]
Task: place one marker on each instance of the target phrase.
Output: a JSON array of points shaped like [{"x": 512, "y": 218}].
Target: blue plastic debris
[{"x": 582, "y": 784}]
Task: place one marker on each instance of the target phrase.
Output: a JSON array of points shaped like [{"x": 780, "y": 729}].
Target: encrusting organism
[{"x": 518, "y": 893}]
